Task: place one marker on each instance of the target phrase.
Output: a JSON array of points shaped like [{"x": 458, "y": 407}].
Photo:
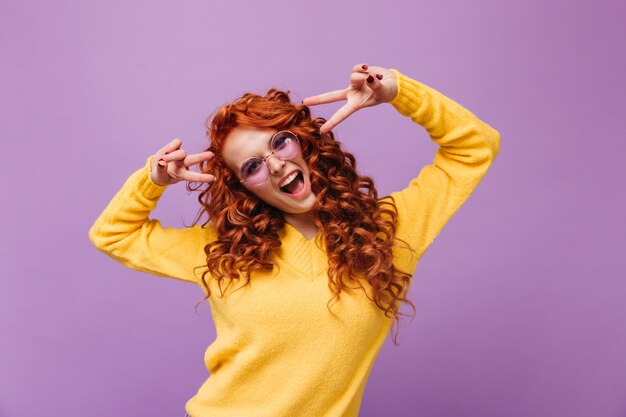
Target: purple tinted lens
[
  {"x": 254, "y": 171},
  {"x": 285, "y": 145}
]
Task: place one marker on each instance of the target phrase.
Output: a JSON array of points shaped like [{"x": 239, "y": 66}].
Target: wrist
[
  {"x": 396, "y": 87},
  {"x": 151, "y": 172}
]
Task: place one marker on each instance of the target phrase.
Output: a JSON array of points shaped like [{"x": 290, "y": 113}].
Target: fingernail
[
  {"x": 379, "y": 76},
  {"x": 370, "y": 79},
  {"x": 364, "y": 66},
  {"x": 161, "y": 163}
]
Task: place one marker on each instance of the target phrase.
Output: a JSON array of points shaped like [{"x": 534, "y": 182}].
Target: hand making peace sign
[
  {"x": 171, "y": 164},
  {"x": 368, "y": 87}
]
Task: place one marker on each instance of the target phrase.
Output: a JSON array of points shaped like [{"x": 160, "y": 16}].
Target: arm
[
  {"x": 124, "y": 232},
  {"x": 467, "y": 148}
]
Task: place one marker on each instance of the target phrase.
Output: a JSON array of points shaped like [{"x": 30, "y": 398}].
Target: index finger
[{"x": 329, "y": 97}]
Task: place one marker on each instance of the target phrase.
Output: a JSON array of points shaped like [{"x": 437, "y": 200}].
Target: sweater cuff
[
  {"x": 411, "y": 97},
  {"x": 145, "y": 184}
]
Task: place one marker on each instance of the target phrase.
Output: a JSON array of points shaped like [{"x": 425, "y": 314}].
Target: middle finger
[
  {"x": 175, "y": 156},
  {"x": 197, "y": 158}
]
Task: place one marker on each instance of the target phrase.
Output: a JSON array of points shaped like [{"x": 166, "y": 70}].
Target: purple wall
[{"x": 521, "y": 299}]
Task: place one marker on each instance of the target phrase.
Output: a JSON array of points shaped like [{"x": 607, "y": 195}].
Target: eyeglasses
[{"x": 284, "y": 145}]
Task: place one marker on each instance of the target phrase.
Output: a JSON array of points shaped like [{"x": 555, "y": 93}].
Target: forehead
[{"x": 245, "y": 142}]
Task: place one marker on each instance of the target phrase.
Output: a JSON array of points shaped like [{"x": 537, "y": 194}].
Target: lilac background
[{"x": 521, "y": 299}]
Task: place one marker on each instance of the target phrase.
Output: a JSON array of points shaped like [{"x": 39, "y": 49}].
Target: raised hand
[
  {"x": 368, "y": 87},
  {"x": 171, "y": 165}
]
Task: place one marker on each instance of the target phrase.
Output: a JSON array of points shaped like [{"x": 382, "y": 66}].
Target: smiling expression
[{"x": 243, "y": 143}]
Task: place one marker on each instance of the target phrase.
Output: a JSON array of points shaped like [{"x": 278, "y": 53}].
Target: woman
[{"x": 303, "y": 271}]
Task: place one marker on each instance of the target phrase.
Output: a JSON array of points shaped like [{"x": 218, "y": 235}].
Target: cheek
[
  {"x": 303, "y": 163},
  {"x": 263, "y": 193}
]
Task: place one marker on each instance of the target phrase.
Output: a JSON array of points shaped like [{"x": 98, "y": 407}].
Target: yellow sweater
[{"x": 278, "y": 350}]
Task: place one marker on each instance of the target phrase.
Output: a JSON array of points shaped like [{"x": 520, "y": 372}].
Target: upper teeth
[{"x": 289, "y": 179}]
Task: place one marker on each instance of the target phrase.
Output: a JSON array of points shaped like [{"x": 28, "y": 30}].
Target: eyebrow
[{"x": 269, "y": 143}]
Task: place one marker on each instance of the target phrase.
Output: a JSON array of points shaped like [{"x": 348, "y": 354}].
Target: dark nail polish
[
  {"x": 370, "y": 79},
  {"x": 379, "y": 76},
  {"x": 364, "y": 66}
]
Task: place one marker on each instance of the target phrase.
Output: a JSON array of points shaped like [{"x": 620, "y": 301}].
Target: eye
[
  {"x": 251, "y": 166},
  {"x": 282, "y": 140}
]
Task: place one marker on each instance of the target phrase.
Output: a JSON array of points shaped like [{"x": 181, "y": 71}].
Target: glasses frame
[{"x": 264, "y": 160}]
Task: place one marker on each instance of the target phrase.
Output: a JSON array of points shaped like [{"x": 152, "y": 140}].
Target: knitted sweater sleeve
[
  {"x": 467, "y": 148},
  {"x": 125, "y": 233}
]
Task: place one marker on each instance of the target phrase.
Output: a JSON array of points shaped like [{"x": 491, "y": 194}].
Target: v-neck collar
[
  {"x": 301, "y": 253},
  {"x": 300, "y": 235}
]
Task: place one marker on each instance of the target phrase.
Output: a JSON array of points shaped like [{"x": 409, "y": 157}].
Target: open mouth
[{"x": 295, "y": 186}]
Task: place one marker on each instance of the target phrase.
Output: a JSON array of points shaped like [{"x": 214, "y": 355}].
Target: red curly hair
[{"x": 359, "y": 229}]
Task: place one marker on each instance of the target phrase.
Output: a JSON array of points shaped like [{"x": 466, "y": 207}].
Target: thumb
[
  {"x": 161, "y": 164},
  {"x": 373, "y": 81}
]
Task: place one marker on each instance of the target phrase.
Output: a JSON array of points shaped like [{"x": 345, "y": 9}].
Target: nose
[{"x": 275, "y": 164}]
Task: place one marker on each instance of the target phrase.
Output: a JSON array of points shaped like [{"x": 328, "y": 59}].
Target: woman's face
[{"x": 243, "y": 143}]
